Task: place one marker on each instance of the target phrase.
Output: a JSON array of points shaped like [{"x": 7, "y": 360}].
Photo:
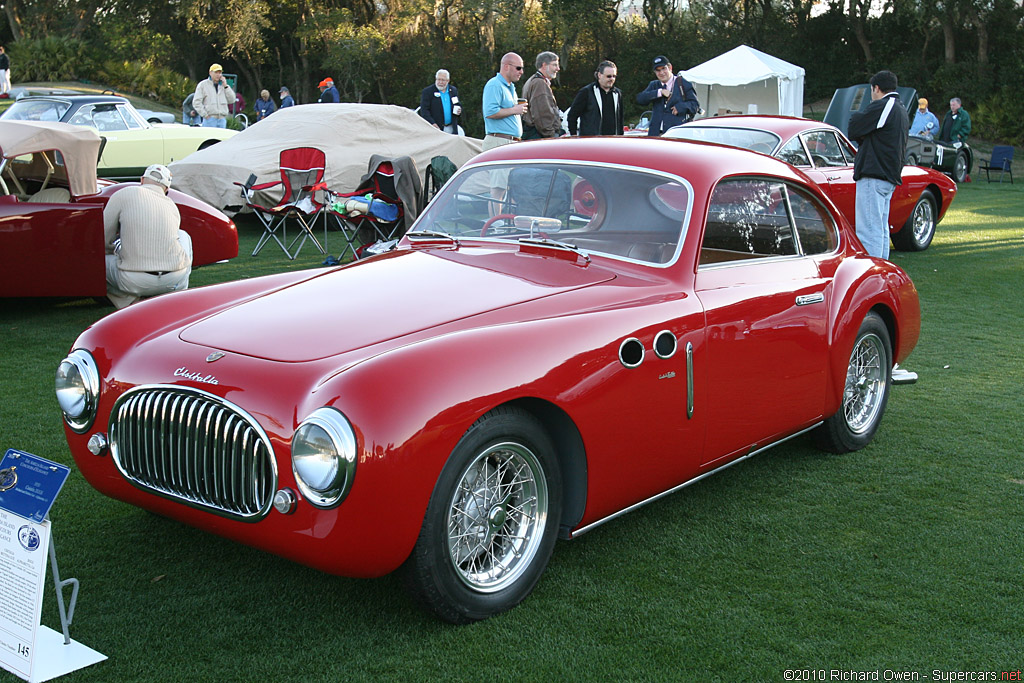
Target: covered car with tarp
[
  {"x": 349, "y": 134},
  {"x": 953, "y": 160}
]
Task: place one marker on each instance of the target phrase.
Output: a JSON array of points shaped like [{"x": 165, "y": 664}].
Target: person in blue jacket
[
  {"x": 328, "y": 93},
  {"x": 264, "y": 105},
  {"x": 671, "y": 97},
  {"x": 922, "y": 119}
]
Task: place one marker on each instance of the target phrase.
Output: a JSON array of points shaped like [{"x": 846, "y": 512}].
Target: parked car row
[{"x": 132, "y": 142}]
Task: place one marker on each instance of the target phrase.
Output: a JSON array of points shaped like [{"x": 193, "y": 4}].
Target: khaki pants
[{"x": 125, "y": 287}]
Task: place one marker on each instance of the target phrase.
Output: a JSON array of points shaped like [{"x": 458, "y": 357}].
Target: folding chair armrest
[{"x": 266, "y": 186}]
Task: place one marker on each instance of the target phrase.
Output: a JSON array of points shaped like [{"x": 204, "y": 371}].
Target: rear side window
[{"x": 760, "y": 218}]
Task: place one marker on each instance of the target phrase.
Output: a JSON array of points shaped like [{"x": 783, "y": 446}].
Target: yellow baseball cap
[
  {"x": 216, "y": 67},
  {"x": 922, "y": 103}
]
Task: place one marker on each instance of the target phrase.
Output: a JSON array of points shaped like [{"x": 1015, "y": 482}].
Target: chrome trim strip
[
  {"x": 683, "y": 230},
  {"x": 195, "y": 448},
  {"x": 634, "y": 506},
  {"x": 807, "y": 299},
  {"x": 689, "y": 380}
]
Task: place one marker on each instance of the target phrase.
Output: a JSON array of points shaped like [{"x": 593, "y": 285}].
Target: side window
[
  {"x": 133, "y": 124},
  {"x": 824, "y": 148},
  {"x": 814, "y": 225},
  {"x": 747, "y": 219},
  {"x": 793, "y": 153},
  {"x": 107, "y": 119},
  {"x": 83, "y": 117}
]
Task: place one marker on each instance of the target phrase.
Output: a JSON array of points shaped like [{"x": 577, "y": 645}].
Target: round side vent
[
  {"x": 631, "y": 352},
  {"x": 665, "y": 344}
]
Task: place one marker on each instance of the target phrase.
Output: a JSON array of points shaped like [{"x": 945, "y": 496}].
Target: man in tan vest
[{"x": 147, "y": 251}]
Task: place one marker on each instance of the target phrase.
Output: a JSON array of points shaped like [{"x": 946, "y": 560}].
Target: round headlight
[
  {"x": 78, "y": 389},
  {"x": 324, "y": 457}
]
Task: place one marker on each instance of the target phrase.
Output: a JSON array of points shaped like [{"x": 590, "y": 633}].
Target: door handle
[
  {"x": 806, "y": 299},
  {"x": 689, "y": 380}
]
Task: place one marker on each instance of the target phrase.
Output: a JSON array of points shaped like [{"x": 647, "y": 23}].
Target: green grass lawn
[{"x": 907, "y": 555}]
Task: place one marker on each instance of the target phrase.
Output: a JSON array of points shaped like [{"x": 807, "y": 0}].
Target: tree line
[{"x": 386, "y": 51}]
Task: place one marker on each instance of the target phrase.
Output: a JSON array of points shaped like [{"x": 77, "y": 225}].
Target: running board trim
[{"x": 634, "y": 506}]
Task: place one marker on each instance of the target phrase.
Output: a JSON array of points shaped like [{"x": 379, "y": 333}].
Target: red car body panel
[{"x": 415, "y": 345}]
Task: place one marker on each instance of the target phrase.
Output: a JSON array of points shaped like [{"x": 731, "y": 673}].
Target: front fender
[{"x": 862, "y": 284}]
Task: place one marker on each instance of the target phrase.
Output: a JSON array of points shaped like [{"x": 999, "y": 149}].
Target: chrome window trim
[
  {"x": 796, "y": 235},
  {"x": 684, "y": 228}
]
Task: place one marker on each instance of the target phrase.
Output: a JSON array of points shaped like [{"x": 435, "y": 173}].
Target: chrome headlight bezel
[
  {"x": 80, "y": 411},
  {"x": 337, "y": 463}
]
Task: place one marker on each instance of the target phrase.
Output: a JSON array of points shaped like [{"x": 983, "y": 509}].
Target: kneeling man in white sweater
[{"x": 147, "y": 251}]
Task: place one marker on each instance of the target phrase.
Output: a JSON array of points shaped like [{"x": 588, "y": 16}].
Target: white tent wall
[{"x": 743, "y": 77}]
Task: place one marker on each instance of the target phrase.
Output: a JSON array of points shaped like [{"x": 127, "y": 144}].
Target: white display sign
[{"x": 23, "y": 554}]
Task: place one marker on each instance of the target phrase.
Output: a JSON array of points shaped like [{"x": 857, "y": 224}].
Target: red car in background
[
  {"x": 51, "y": 213},
  {"x": 570, "y": 329},
  {"x": 826, "y": 156}
]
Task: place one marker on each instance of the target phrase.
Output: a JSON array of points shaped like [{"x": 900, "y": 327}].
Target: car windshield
[
  {"x": 36, "y": 110},
  {"x": 744, "y": 138},
  {"x": 621, "y": 212}
]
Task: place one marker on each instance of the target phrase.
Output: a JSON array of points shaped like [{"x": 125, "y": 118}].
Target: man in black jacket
[
  {"x": 439, "y": 103},
  {"x": 881, "y": 133},
  {"x": 597, "y": 108}
]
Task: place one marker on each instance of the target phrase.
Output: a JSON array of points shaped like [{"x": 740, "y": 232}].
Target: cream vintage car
[{"x": 132, "y": 142}]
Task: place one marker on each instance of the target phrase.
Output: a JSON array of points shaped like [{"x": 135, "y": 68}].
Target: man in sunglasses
[{"x": 503, "y": 108}]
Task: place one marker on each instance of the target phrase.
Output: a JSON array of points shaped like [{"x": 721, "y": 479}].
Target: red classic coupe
[
  {"x": 572, "y": 328},
  {"x": 51, "y": 213},
  {"x": 826, "y": 156}
]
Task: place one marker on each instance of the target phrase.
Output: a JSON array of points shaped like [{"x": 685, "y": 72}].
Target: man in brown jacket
[{"x": 542, "y": 119}]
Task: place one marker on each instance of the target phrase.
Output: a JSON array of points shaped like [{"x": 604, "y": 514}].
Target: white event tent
[{"x": 748, "y": 81}]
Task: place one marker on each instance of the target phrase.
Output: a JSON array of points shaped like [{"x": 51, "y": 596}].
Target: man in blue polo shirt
[
  {"x": 502, "y": 110},
  {"x": 503, "y": 124}
]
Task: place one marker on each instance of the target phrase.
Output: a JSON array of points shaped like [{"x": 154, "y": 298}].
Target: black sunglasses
[{"x": 517, "y": 68}]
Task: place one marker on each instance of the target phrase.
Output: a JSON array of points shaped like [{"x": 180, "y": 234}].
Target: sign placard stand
[{"x": 28, "y": 487}]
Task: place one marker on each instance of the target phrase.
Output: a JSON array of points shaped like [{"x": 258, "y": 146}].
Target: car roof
[
  {"x": 783, "y": 126},
  {"x": 79, "y": 146},
  {"x": 702, "y": 164},
  {"x": 78, "y": 99}
]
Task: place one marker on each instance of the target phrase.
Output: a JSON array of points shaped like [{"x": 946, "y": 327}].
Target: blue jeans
[
  {"x": 211, "y": 122},
  {"x": 872, "y": 215},
  {"x": 191, "y": 120}
]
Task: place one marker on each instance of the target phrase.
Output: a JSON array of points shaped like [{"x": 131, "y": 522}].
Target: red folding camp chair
[
  {"x": 372, "y": 225},
  {"x": 302, "y": 173}
]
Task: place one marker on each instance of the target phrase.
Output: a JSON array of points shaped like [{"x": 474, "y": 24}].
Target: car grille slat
[{"x": 194, "y": 447}]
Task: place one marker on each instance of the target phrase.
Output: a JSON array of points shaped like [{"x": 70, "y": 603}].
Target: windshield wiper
[
  {"x": 425, "y": 235},
  {"x": 547, "y": 242}
]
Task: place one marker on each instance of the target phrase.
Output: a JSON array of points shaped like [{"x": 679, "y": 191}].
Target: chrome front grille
[{"x": 194, "y": 447}]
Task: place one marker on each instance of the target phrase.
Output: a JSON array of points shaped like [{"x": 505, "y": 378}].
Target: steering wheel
[{"x": 490, "y": 221}]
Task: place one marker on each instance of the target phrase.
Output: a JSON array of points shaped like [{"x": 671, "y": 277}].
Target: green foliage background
[{"x": 386, "y": 51}]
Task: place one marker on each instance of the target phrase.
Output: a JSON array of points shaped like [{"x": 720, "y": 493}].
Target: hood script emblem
[
  {"x": 184, "y": 373},
  {"x": 216, "y": 355}
]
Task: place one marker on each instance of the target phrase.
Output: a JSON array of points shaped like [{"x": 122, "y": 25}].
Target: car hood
[{"x": 400, "y": 294}]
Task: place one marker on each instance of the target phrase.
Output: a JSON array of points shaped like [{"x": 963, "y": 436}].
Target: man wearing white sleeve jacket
[
  {"x": 597, "y": 107},
  {"x": 880, "y": 130}
]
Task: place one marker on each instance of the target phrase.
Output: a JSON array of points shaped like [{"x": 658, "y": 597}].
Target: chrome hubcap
[
  {"x": 924, "y": 221},
  {"x": 497, "y": 517},
  {"x": 865, "y": 384}
]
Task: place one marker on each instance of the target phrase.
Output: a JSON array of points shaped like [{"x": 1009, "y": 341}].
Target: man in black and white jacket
[
  {"x": 597, "y": 108},
  {"x": 880, "y": 130}
]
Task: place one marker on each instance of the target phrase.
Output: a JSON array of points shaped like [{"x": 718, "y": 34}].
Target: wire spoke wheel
[
  {"x": 924, "y": 221},
  {"x": 865, "y": 384},
  {"x": 497, "y": 517}
]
